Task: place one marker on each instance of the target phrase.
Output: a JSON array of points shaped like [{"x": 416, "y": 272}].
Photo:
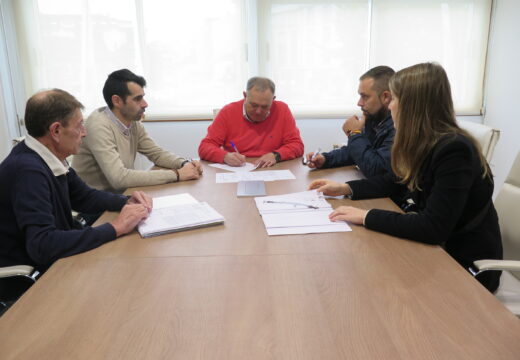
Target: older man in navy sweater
[{"x": 38, "y": 190}]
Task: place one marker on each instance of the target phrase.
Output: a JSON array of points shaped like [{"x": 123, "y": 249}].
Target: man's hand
[
  {"x": 331, "y": 188},
  {"x": 128, "y": 218},
  {"x": 315, "y": 163},
  {"x": 234, "y": 159},
  {"x": 353, "y": 123},
  {"x": 266, "y": 160},
  {"x": 139, "y": 197},
  {"x": 197, "y": 165},
  {"x": 189, "y": 172},
  {"x": 348, "y": 213}
]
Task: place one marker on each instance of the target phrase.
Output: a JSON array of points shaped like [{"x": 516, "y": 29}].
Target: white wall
[
  {"x": 183, "y": 137},
  {"x": 5, "y": 141},
  {"x": 503, "y": 85}
]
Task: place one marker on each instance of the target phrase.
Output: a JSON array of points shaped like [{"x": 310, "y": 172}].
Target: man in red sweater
[{"x": 256, "y": 126}]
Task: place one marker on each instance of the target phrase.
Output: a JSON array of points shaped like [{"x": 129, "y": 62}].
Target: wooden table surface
[
  {"x": 232, "y": 292},
  {"x": 243, "y": 232}
]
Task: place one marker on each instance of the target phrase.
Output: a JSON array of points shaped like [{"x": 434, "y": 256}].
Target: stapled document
[
  {"x": 176, "y": 213},
  {"x": 298, "y": 213},
  {"x": 251, "y": 188}
]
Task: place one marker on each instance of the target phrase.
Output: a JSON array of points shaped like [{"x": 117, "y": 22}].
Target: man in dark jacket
[
  {"x": 38, "y": 190},
  {"x": 370, "y": 137}
]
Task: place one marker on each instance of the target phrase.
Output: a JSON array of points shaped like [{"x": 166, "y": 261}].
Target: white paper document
[
  {"x": 267, "y": 175},
  {"x": 245, "y": 168},
  {"x": 298, "y": 213},
  {"x": 172, "y": 200},
  {"x": 176, "y": 213}
]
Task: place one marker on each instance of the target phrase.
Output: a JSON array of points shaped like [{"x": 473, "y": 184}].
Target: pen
[
  {"x": 291, "y": 203},
  {"x": 234, "y": 147},
  {"x": 316, "y": 153}
]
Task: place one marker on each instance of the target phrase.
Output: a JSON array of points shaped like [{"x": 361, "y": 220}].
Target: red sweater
[{"x": 278, "y": 132}]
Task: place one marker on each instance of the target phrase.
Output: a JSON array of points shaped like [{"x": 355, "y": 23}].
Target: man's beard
[{"x": 379, "y": 116}]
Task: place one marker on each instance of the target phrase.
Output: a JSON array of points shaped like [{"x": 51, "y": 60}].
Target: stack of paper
[
  {"x": 297, "y": 213},
  {"x": 176, "y": 213},
  {"x": 251, "y": 188}
]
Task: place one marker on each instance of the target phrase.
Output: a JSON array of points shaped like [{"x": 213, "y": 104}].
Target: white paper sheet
[
  {"x": 291, "y": 202},
  {"x": 267, "y": 175},
  {"x": 298, "y": 219},
  {"x": 245, "y": 168},
  {"x": 306, "y": 230},
  {"x": 298, "y": 213},
  {"x": 172, "y": 200}
]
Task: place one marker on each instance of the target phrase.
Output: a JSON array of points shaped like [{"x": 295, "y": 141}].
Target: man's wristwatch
[
  {"x": 185, "y": 162},
  {"x": 353, "y": 132},
  {"x": 277, "y": 156}
]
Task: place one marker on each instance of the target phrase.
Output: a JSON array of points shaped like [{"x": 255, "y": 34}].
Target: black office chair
[{"x": 14, "y": 281}]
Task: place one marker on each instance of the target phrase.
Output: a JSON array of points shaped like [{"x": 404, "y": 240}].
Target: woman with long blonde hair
[{"x": 440, "y": 166}]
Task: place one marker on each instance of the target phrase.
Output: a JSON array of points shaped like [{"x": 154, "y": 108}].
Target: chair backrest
[
  {"x": 485, "y": 135},
  {"x": 507, "y": 204},
  {"x": 14, "y": 281}
]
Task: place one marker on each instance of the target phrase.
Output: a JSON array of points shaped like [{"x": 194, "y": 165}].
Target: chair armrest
[
  {"x": 509, "y": 265},
  {"x": 17, "y": 270}
]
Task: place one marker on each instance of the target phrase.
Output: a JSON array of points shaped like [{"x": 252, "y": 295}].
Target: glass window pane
[
  {"x": 453, "y": 33},
  {"x": 192, "y": 54},
  {"x": 315, "y": 51}
]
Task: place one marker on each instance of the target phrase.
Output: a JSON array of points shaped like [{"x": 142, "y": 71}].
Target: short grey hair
[{"x": 261, "y": 84}]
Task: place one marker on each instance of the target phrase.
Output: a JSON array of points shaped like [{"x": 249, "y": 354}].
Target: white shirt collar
[
  {"x": 57, "y": 166},
  {"x": 124, "y": 129}
]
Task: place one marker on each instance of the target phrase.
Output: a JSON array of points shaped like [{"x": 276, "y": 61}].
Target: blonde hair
[{"x": 425, "y": 114}]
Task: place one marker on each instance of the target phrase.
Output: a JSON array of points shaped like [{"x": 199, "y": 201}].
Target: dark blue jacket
[
  {"x": 36, "y": 225},
  {"x": 370, "y": 150}
]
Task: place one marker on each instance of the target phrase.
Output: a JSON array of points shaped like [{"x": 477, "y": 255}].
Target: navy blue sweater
[
  {"x": 370, "y": 150},
  {"x": 36, "y": 225}
]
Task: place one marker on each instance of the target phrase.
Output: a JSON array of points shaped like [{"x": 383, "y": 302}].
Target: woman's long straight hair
[{"x": 425, "y": 114}]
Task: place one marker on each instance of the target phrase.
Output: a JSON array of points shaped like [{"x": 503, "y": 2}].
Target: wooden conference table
[{"x": 232, "y": 292}]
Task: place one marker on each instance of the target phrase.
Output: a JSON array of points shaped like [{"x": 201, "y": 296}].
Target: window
[
  {"x": 454, "y": 33},
  {"x": 197, "y": 55}
]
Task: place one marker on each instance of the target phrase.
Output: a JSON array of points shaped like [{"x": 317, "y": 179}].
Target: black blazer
[{"x": 454, "y": 207}]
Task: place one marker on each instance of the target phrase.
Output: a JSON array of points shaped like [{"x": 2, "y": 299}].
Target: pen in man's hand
[
  {"x": 316, "y": 153},
  {"x": 234, "y": 147}
]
